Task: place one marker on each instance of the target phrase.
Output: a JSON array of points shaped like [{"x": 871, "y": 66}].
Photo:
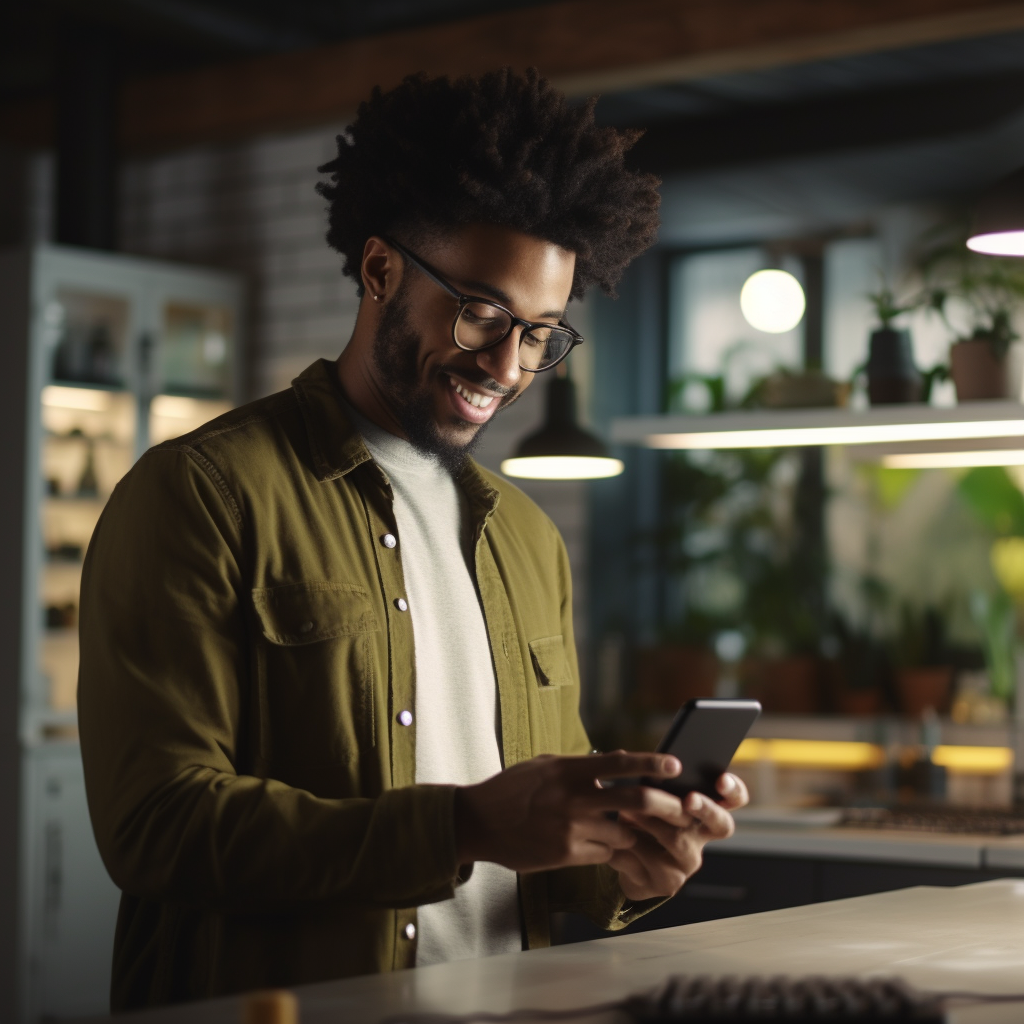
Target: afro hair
[{"x": 503, "y": 148}]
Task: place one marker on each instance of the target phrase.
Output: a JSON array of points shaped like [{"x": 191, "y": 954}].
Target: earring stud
[{"x": 377, "y": 298}]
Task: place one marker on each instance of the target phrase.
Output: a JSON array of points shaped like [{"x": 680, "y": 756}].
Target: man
[{"x": 328, "y": 693}]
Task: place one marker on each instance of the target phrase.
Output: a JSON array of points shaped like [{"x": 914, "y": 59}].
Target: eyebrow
[{"x": 496, "y": 293}]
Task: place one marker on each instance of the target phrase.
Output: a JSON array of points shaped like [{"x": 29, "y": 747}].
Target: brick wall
[{"x": 251, "y": 207}]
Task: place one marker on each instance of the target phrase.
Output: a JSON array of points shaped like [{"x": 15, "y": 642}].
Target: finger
[
  {"x": 613, "y": 834},
  {"x": 622, "y": 764},
  {"x": 733, "y": 791},
  {"x": 633, "y": 878},
  {"x": 662, "y": 830},
  {"x": 639, "y": 800},
  {"x": 671, "y": 851},
  {"x": 657, "y": 871},
  {"x": 715, "y": 821}
]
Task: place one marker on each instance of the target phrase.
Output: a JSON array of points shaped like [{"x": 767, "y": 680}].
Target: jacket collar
[{"x": 337, "y": 446}]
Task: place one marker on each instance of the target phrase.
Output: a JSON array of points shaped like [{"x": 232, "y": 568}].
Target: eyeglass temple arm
[{"x": 417, "y": 262}]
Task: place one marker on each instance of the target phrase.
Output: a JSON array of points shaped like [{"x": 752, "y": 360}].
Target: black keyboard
[
  {"x": 810, "y": 1000},
  {"x": 991, "y": 822}
]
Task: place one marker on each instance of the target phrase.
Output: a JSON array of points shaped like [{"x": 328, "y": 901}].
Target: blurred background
[{"x": 164, "y": 260}]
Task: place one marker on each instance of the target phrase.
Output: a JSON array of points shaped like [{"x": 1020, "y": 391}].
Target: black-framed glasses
[{"x": 483, "y": 323}]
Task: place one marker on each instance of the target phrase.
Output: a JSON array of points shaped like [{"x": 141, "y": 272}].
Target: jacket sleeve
[
  {"x": 593, "y": 891},
  {"x": 163, "y": 696}
]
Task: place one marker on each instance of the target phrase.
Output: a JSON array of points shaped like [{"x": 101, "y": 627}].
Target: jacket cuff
[{"x": 414, "y": 847}]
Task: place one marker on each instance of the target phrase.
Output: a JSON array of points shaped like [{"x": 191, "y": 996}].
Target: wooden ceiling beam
[{"x": 585, "y": 46}]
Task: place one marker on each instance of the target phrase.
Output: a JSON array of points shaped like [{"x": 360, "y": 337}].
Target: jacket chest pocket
[
  {"x": 316, "y": 678},
  {"x": 551, "y": 670}
]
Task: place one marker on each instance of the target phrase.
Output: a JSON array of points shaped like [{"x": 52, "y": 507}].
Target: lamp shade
[
  {"x": 997, "y": 227},
  {"x": 561, "y": 449}
]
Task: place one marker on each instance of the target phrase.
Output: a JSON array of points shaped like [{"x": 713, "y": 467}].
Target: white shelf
[{"x": 997, "y": 423}]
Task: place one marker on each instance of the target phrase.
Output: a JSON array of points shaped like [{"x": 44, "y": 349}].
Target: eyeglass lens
[{"x": 480, "y": 324}]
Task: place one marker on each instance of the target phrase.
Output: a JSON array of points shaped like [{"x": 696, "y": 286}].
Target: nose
[{"x": 502, "y": 362}]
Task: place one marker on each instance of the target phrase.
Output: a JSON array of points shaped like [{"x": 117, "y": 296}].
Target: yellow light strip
[
  {"x": 974, "y": 760},
  {"x": 842, "y": 755},
  {"x": 839, "y": 755},
  {"x": 954, "y": 460},
  {"x": 864, "y": 433}
]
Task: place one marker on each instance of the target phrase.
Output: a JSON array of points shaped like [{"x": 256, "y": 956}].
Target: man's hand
[
  {"x": 550, "y": 812},
  {"x": 669, "y": 849}
]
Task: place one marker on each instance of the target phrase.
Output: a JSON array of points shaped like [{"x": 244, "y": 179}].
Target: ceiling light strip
[
  {"x": 785, "y": 437},
  {"x": 954, "y": 460}
]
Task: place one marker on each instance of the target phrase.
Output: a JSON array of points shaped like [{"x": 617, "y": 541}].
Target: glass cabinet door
[
  {"x": 132, "y": 352},
  {"x": 88, "y": 444},
  {"x": 88, "y": 337},
  {"x": 195, "y": 343},
  {"x": 195, "y": 364}
]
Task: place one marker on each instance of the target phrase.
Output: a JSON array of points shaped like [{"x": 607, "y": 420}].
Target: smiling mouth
[{"x": 474, "y": 398}]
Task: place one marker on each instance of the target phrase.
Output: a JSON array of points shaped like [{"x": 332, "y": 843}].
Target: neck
[{"x": 354, "y": 373}]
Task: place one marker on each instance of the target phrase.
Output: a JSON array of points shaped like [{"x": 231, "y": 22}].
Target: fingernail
[
  {"x": 693, "y": 802},
  {"x": 672, "y": 765},
  {"x": 727, "y": 784}
]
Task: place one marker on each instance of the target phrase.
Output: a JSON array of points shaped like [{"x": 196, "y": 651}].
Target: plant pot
[
  {"x": 784, "y": 686},
  {"x": 809, "y": 389},
  {"x": 860, "y": 702},
  {"x": 669, "y": 675},
  {"x": 892, "y": 376},
  {"x": 977, "y": 372},
  {"x": 923, "y": 688}
]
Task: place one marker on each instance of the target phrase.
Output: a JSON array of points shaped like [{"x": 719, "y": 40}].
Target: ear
[{"x": 381, "y": 270}]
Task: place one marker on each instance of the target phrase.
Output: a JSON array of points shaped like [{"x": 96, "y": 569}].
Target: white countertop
[{"x": 938, "y": 939}]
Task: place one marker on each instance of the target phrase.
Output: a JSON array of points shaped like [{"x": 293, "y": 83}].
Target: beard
[{"x": 395, "y": 356}]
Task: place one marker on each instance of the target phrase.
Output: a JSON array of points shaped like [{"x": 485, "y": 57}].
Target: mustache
[{"x": 481, "y": 380}]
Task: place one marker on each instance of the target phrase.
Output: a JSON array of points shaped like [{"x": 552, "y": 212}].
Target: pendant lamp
[
  {"x": 561, "y": 449},
  {"x": 997, "y": 228}
]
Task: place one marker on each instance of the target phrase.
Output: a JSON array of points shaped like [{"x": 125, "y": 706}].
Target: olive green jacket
[{"x": 243, "y": 667}]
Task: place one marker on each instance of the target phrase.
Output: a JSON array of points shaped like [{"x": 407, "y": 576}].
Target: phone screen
[{"x": 704, "y": 736}]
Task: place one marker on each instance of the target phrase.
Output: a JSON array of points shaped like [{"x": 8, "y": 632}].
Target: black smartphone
[{"x": 705, "y": 735}]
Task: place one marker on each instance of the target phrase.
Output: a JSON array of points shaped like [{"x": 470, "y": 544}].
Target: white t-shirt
[{"x": 458, "y": 725}]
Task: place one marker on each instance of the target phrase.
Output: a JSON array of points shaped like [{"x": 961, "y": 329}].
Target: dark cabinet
[{"x": 732, "y": 884}]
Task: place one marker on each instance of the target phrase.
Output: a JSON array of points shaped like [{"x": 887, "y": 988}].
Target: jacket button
[
  {"x": 388, "y": 540},
  {"x": 410, "y": 931},
  {"x": 305, "y": 627},
  {"x": 404, "y": 717},
  {"x": 401, "y": 604}
]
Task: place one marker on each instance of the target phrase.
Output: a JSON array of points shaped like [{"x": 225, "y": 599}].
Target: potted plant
[
  {"x": 732, "y": 562},
  {"x": 924, "y": 675},
  {"x": 859, "y": 663},
  {"x": 989, "y": 291},
  {"x": 996, "y": 620},
  {"x": 892, "y": 376},
  {"x": 784, "y": 388}
]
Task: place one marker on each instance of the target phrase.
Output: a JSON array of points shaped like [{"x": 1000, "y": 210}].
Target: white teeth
[{"x": 473, "y": 397}]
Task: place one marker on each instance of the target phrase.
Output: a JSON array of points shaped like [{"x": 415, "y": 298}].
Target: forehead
[{"x": 534, "y": 276}]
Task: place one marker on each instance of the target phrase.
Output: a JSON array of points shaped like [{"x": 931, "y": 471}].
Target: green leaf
[{"x": 994, "y": 498}]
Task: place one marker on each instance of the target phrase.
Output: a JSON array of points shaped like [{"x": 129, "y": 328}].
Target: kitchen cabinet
[
  {"x": 104, "y": 356},
  {"x": 731, "y": 884}
]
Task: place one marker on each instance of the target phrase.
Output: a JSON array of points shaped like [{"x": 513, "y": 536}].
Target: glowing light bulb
[{"x": 772, "y": 301}]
